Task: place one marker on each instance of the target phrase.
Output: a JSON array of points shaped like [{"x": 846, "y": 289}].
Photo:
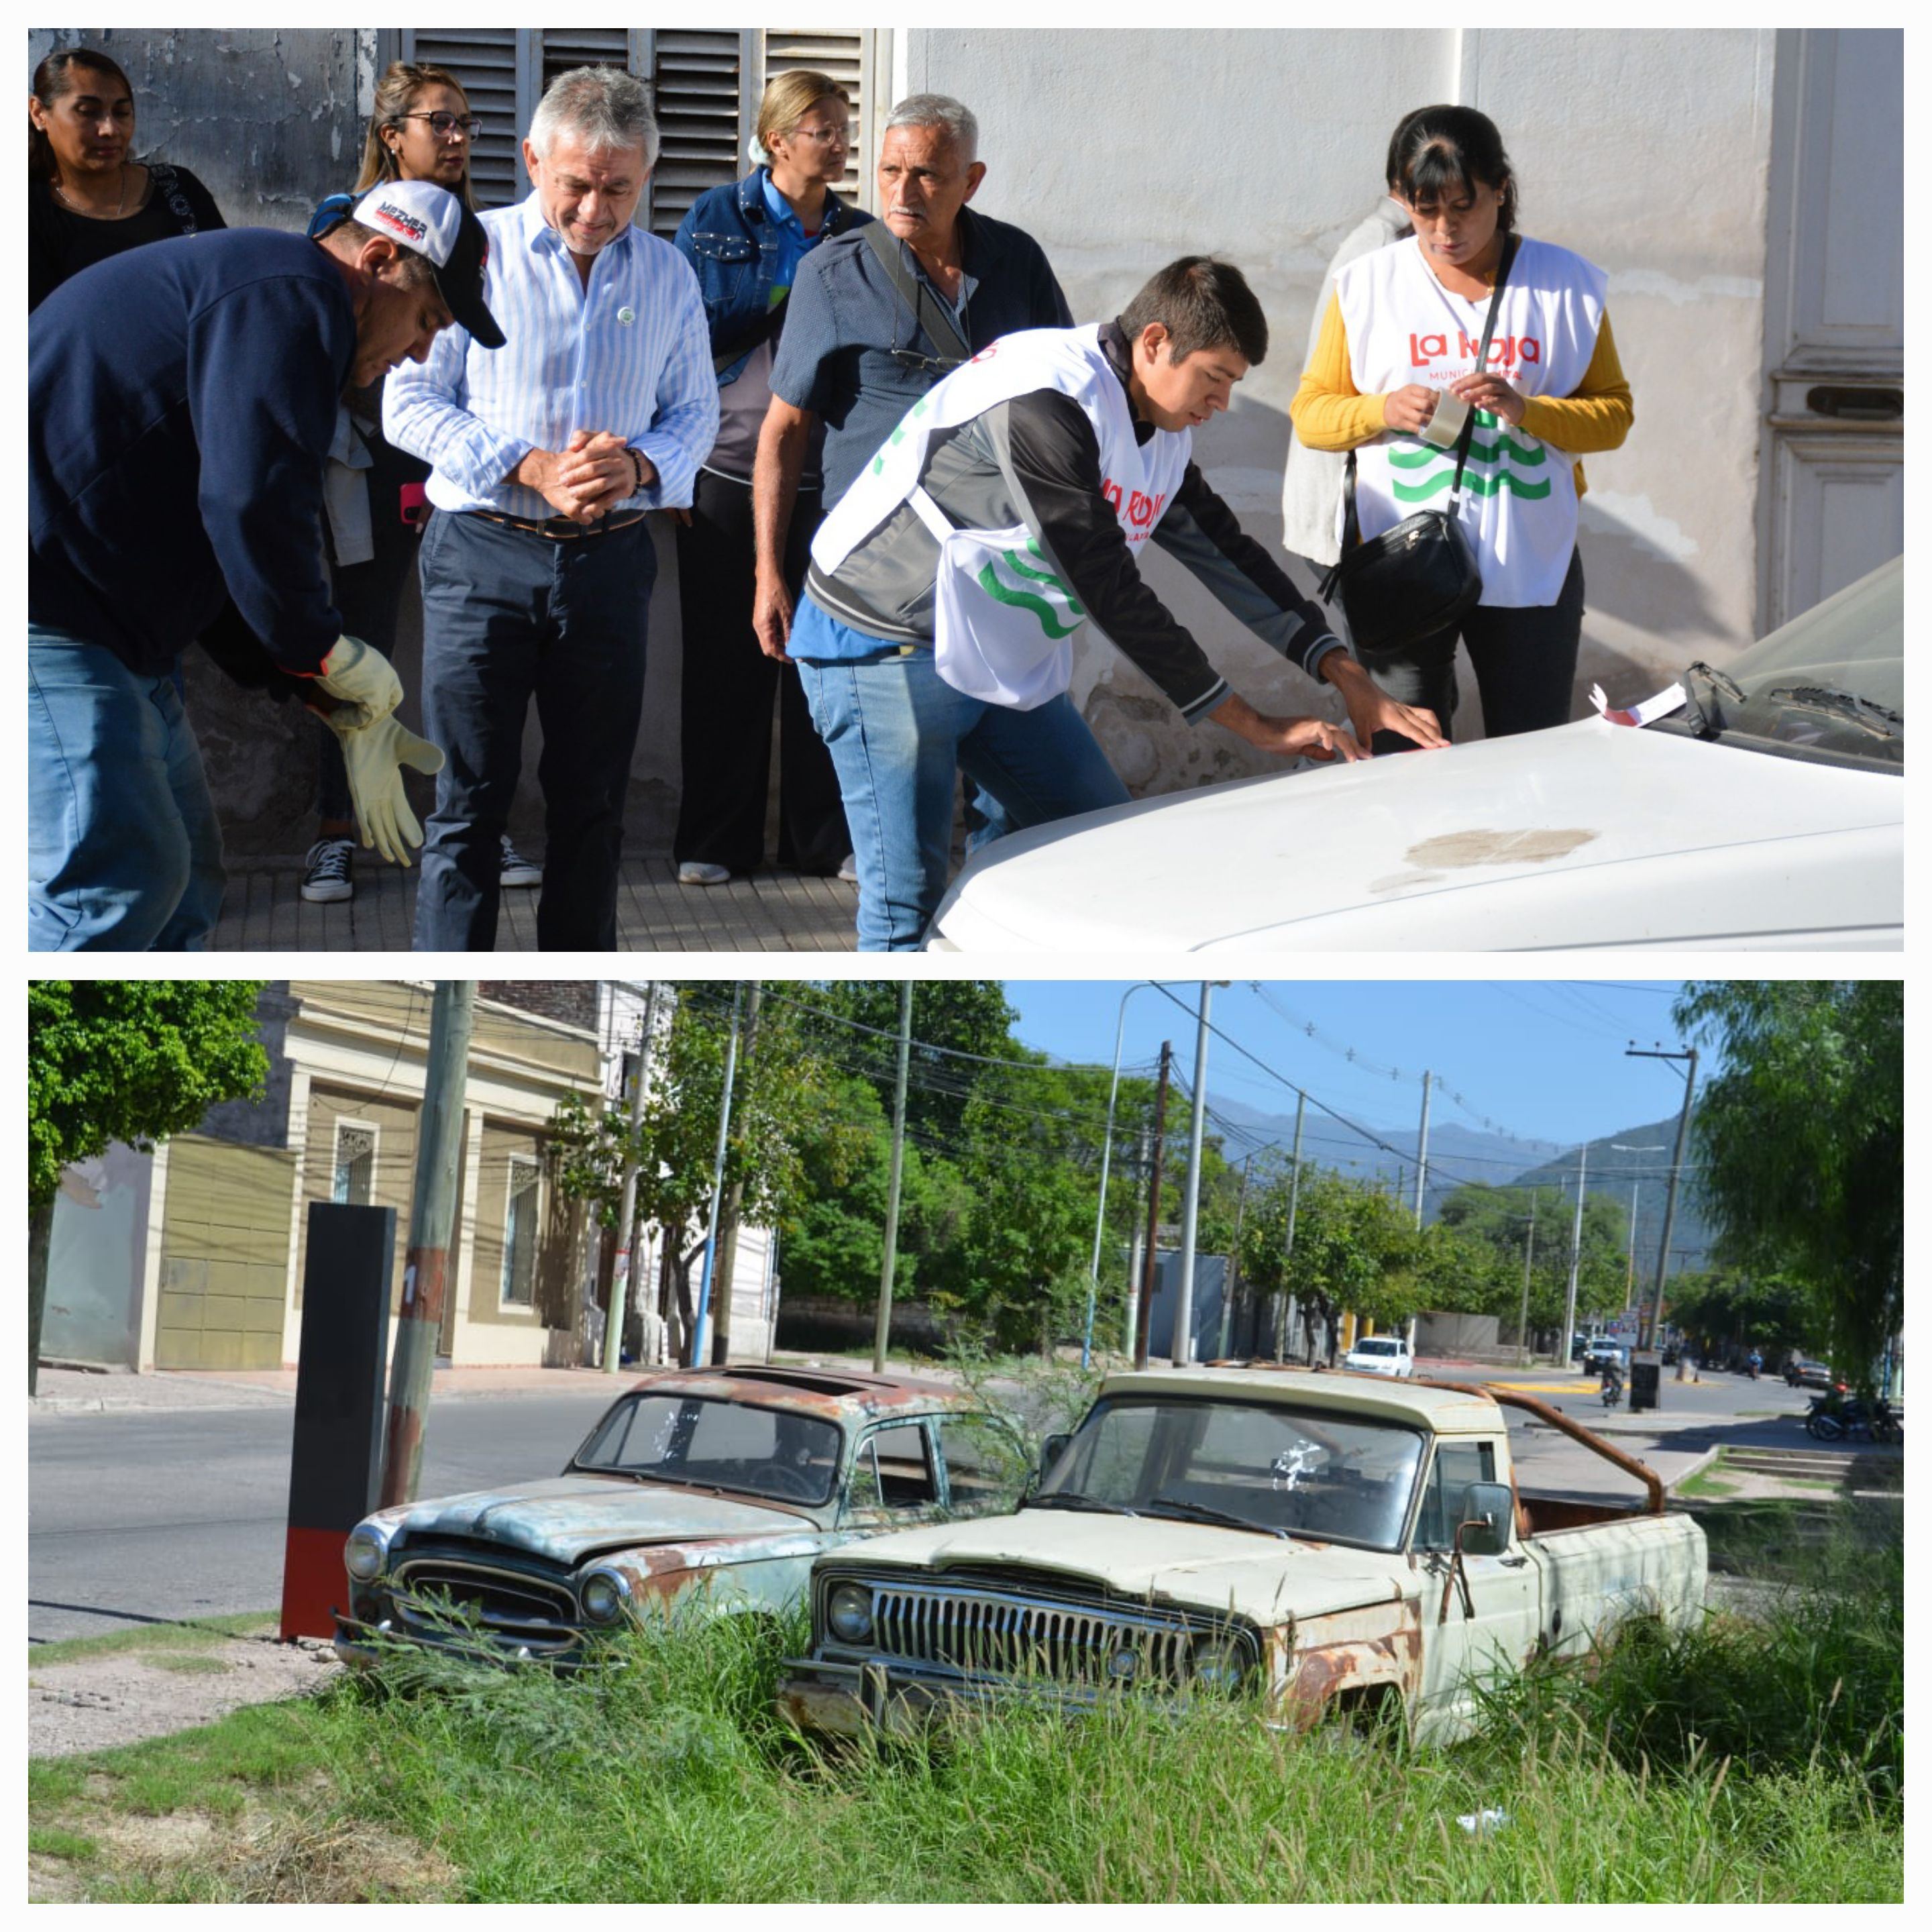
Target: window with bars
[
  {"x": 520, "y": 1234},
  {"x": 354, "y": 1181},
  {"x": 705, "y": 85}
]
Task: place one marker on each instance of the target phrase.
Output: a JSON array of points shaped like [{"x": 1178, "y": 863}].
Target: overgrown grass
[
  {"x": 200, "y": 1634},
  {"x": 1745, "y": 1761}
]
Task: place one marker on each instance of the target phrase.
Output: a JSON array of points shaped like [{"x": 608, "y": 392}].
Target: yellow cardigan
[{"x": 1329, "y": 412}]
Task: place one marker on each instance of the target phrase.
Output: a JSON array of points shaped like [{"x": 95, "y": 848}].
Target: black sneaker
[
  {"x": 327, "y": 878},
  {"x": 518, "y": 871}
]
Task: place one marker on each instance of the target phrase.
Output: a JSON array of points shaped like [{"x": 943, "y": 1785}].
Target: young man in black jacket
[{"x": 1008, "y": 506}]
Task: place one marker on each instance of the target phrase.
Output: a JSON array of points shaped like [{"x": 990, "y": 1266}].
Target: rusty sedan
[{"x": 708, "y": 1489}]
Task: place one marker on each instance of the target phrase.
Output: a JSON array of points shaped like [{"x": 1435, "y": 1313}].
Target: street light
[{"x": 1106, "y": 1161}]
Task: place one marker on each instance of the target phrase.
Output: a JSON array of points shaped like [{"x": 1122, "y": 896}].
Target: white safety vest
[
  {"x": 1519, "y": 501},
  {"x": 1004, "y": 618}
]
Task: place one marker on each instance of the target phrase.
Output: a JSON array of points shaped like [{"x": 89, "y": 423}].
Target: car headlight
[
  {"x": 367, "y": 1550},
  {"x": 848, "y": 1612},
  {"x": 604, "y": 1595},
  {"x": 1219, "y": 1665}
]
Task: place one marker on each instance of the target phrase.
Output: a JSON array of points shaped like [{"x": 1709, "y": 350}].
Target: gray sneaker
[
  {"x": 326, "y": 878},
  {"x": 518, "y": 871},
  {"x": 696, "y": 872}
]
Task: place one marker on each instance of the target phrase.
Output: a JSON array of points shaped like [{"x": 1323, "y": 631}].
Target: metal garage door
[{"x": 224, "y": 1255}]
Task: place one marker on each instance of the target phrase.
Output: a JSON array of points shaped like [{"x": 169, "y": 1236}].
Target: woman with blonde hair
[
  {"x": 421, "y": 129},
  {"x": 745, "y": 242},
  {"x": 87, "y": 197}
]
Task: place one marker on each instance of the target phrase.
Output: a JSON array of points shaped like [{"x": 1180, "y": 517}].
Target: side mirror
[{"x": 1488, "y": 1511}]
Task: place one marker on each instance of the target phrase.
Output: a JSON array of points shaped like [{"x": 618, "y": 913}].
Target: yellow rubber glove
[
  {"x": 375, "y": 755},
  {"x": 361, "y": 677}
]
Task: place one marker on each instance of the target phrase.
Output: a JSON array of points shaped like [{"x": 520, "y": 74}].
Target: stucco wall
[
  {"x": 95, "y": 1264},
  {"x": 1646, "y": 151}
]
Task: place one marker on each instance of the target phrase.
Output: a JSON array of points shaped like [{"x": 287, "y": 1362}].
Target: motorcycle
[
  {"x": 1834, "y": 1418},
  {"x": 1611, "y": 1386}
]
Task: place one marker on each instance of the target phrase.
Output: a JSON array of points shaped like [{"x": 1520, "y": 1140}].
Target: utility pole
[
  {"x": 699, "y": 1323},
  {"x": 627, "y": 1208},
  {"x": 1190, "y": 1214},
  {"x": 734, "y": 1200},
  {"x": 1422, "y": 1150},
  {"x": 432, "y": 1218},
  {"x": 1232, "y": 1280},
  {"x": 1523, "y": 1320},
  {"x": 884, "y": 1319},
  {"x": 1576, "y": 1253},
  {"x": 1144, "y": 1315},
  {"x": 1647, "y": 1318},
  {"x": 1290, "y": 1303}
]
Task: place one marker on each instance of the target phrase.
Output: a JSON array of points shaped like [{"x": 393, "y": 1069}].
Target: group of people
[{"x": 901, "y": 478}]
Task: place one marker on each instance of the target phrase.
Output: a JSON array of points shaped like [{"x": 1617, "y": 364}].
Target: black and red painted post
[{"x": 335, "y": 1468}]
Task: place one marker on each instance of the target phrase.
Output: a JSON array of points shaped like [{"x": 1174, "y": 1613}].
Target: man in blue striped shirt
[{"x": 537, "y": 570}]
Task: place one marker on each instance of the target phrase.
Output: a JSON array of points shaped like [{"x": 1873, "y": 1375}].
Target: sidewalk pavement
[
  {"x": 765, "y": 911},
  {"x": 68, "y": 1390}
]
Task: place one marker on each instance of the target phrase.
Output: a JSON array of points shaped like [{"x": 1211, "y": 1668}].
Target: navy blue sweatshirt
[{"x": 182, "y": 402}]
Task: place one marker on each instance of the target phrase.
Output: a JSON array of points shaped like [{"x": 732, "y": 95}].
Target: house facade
[{"x": 1740, "y": 186}]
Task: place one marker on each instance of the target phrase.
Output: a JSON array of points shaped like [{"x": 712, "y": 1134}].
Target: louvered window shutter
[{"x": 705, "y": 85}]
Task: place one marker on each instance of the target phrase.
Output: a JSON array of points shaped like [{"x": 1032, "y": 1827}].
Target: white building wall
[{"x": 1647, "y": 151}]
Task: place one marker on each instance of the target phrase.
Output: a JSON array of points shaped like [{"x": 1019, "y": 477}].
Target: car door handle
[{"x": 1512, "y": 1562}]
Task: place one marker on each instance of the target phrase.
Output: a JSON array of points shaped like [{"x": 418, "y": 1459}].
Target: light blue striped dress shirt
[{"x": 630, "y": 353}]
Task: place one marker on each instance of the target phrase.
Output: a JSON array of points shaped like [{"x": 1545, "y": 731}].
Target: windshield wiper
[
  {"x": 1709, "y": 722},
  {"x": 1867, "y": 716},
  {"x": 1201, "y": 1512},
  {"x": 1071, "y": 1501}
]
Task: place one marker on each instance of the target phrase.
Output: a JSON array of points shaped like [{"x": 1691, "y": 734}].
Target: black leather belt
[{"x": 557, "y": 529}]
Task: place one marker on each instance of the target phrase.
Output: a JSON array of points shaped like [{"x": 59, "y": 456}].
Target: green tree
[
  {"x": 1497, "y": 1218},
  {"x": 783, "y": 1099},
  {"x": 1801, "y": 1140},
  {"x": 133, "y": 1061},
  {"x": 1722, "y": 1309}
]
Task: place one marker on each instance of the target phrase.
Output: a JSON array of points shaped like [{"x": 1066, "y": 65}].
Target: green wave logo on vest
[
  {"x": 1479, "y": 478},
  {"x": 1047, "y": 614},
  {"x": 898, "y": 435}
]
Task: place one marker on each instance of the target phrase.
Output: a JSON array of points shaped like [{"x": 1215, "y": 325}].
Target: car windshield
[
  {"x": 708, "y": 1441},
  {"x": 1261, "y": 1464},
  {"x": 1829, "y": 684},
  {"x": 1375, "y": 1346}
]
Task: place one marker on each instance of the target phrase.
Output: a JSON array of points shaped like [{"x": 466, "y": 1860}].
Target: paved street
[{"x": 165, "y": 1496}]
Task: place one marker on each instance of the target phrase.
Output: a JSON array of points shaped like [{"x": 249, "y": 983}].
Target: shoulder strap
[
  {"x": 766, "y": 326},
  {"x": 884, "y": 244}
]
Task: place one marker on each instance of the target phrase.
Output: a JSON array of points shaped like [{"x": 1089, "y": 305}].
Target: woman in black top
[{"x": 87, "y": 198}]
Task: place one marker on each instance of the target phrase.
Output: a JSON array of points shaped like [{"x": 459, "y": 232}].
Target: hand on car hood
[
  {"x": 1197, "y": 1565},
  {"x": 566, "y": 1518}
]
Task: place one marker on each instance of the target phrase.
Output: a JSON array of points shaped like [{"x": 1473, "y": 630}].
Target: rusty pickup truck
[
  {"x": 1320, "y": 1541},
  {"x": 709, "y": 1489}
]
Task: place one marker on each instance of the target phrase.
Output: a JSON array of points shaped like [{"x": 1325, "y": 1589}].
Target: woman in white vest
[{"x": 1402, "y": 332}]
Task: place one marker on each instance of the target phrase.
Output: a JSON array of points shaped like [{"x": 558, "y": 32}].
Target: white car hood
[
  {"x": 1198, "y": 1566},
  {"x": 1590, "y": 835}
]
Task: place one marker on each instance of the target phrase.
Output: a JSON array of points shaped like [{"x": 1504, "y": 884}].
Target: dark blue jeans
[{"x": 508, "y": 617}]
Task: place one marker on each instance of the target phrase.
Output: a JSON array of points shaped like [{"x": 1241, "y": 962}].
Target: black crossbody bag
[{"x": 1422, "y": 576}]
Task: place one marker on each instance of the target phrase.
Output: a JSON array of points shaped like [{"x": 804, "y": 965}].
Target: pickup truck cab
[
  {"x": 1317, "y": 1540},
  {"x": 706, "y": 1488}
]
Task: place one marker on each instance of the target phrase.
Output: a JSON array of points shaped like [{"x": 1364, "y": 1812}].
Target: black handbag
[{"x": 1422, "y": 576}]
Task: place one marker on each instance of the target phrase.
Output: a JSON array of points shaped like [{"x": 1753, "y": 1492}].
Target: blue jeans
[
  {"x": 124, "y": 851},
  {"x": 896, "y": 731},
  {"x": 508, "y": 617}
]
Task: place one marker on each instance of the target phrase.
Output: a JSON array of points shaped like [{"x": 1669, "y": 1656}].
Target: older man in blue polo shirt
[{"x": 537, "y": 568}]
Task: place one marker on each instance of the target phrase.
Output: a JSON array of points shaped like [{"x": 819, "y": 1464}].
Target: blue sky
[{"x": 1544, "y": 1059}]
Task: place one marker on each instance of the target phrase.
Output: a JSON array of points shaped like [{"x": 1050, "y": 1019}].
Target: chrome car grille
[
  {"x": 997, "y": 1632},
  {"x": 435, "y": 1594}
]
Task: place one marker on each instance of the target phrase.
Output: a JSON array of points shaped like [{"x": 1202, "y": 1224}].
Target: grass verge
[
  {"x": 1748, "y": 1761},
  {"x": 203, "y": 1633}
]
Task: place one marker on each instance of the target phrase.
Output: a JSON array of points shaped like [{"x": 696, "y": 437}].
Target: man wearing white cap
[
  {"x": 182, "y": 404},
  {"x": 538, "y": 565}
]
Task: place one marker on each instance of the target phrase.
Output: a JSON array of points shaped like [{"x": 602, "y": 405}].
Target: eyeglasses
[
  {"x": 442, "y": 122},
  {"x": 840, "y": 137}
]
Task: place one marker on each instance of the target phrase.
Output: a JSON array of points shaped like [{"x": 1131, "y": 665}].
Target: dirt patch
[
  {"x": 94, "y": 1703},
  {"x": 1533, "y": 847}
]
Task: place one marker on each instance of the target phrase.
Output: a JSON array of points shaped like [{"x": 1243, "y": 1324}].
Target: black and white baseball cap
[{"x": 419, "y": 215}]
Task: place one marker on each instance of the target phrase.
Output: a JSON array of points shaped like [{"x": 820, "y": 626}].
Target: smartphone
[{"x": 415, "y": 506}]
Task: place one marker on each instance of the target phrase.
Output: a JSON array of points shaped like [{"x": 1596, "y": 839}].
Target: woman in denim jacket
[{"x": 745, "y": 242}]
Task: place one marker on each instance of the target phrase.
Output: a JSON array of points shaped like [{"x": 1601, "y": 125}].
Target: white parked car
[
  {"x": 1381, "y": 1355},
  {"x": 1766, "y": 814}
]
